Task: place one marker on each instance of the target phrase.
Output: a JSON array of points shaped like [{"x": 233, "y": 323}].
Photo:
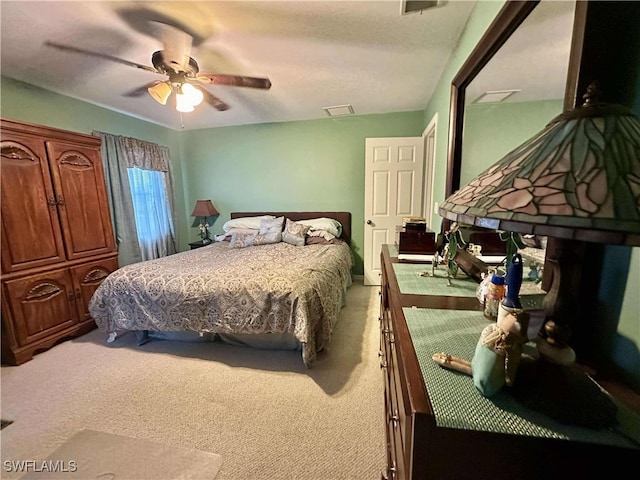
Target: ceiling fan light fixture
[
  {"x": 183, "y": 102},
  {"x": 160, "y": 92},
  {"x": 193, "y": 95}
]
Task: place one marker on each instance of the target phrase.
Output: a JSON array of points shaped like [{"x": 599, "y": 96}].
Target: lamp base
[
  {"x": 565, "y": 393},
  {"x": 560, "y": 355}
]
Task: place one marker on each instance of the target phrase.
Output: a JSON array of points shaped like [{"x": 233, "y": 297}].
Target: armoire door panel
[
  {"x": 86, "y": 279},
  {"x": 31, "y": 235},
  {"x": 41, "y": 305},
  {"x": 77, "y": 174}
]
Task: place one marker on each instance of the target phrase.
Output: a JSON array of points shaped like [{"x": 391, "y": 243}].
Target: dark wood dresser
[{"x": 440, "y": 429}]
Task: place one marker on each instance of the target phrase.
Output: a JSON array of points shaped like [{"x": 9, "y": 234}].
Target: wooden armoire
[{"x": 57, "y": 238}]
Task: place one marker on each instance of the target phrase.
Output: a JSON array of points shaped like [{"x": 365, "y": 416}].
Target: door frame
[{"x": 430, "y": 131}]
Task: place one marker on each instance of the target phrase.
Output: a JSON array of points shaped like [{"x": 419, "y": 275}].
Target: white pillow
[
  {"x": 246, "y": 222},
  {"x": 330, "y": 225},
  {"x": 227, "y": 236},
  {"x": 294, "y": 233},
  {"x": 270, "y": 231},
  {"x": 241, "y": 240},
  {"x": 267, "y": 238},
  {"x": 271, "y": 225},
  {"x": 321, "y": 233}
]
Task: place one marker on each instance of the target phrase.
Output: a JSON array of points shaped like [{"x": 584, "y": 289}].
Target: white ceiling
[{"x": 317, "y": 54}]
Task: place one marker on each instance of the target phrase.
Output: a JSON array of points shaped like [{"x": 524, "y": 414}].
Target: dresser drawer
[{"x": 394, "y": 402}]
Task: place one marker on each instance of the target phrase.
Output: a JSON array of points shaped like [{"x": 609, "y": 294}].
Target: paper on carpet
[{"x": 93, "y": 454}]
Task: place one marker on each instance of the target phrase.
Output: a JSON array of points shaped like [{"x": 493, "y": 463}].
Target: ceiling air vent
[{"x": 410, "y": 6}]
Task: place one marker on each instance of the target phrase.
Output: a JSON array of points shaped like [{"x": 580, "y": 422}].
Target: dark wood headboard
[{"x": 343, "y": 217}]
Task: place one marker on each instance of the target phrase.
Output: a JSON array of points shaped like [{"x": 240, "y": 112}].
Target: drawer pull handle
[
  {"x": 394, "y": 419},
  {"x": 96, "y": 275},
  {"x": 42, "y": 291}
]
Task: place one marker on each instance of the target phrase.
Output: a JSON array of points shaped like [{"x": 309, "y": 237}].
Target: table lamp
[
  {"x": 576, "y": 181},
  {"x": 204, "y": 209}
]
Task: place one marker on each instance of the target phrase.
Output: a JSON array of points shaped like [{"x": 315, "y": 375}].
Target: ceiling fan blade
[
  {"x": 212, "y": 100},
  {"x": 234, "y": 80},
  {"x": 68, "y": 48}
]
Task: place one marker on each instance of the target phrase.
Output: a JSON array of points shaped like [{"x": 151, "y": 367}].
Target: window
[{"x": 152, "y": 212}]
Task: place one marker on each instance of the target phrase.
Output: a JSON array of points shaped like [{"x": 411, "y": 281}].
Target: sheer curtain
[
  {"x": 140, "y": 187},
  {"x": 152, "y": 213}
]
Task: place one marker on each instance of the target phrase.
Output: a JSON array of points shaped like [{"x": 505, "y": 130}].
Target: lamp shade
[
  {"x": 183, "y": 104},
  {"x": 577, "y": 179},
  {"x": 193, "y": 95},
  {"x": 160, "y": 92},
  {"x": 204, "y": 208}
]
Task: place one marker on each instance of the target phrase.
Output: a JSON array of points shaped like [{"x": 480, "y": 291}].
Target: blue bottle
[{"x": 514, "y": 282}]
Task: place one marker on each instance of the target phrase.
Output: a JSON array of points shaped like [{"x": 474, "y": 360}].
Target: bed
[{"x": 254, "y": 289}]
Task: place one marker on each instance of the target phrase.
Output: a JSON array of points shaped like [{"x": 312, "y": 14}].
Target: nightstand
[{"x": 198, "y": 244}]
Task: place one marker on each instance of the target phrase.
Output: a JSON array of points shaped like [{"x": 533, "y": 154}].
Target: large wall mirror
[
  {"x": 519, "y": 90},
  {"x": 513, "y": 83}
]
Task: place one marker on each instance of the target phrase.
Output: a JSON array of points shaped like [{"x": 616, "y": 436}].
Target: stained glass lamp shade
[{"x": 577, "y": 179}]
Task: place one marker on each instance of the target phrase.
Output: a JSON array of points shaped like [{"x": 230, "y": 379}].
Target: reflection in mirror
[{"x": 517, "y": 93}]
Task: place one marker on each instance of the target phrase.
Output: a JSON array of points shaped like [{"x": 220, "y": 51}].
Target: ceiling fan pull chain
[{"x": 181, "y": 121}]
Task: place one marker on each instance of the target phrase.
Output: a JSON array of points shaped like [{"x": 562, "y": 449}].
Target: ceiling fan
[{"x": 184, "y": 76}]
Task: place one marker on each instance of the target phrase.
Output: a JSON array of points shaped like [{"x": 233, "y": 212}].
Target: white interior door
[{"x": 393, "y": 189}]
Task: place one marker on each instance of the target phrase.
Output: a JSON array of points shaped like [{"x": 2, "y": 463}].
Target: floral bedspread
[{"x": 275, "y": 288}]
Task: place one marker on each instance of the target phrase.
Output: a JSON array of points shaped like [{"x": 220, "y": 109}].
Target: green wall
[
  {"x": 308, "y": 165},
  {"x": 493, "y": 130}
]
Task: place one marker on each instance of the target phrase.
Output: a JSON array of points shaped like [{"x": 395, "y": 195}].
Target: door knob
[{"x": 369, "y": 222}]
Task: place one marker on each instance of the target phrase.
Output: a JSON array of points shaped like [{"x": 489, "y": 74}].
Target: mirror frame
[
  {"x": 510, "y": 17},
  {"x": 506, "y": 22}
]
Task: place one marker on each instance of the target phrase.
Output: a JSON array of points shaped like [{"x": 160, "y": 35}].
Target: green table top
[
  {"x": 456, "y": 402},
  {"x": 411, "y": 281},
  {"x": 422, "y": 279}
]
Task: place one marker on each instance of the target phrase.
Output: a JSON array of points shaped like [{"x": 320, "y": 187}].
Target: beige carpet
[
  {"x": 262, "y": 411},
  {"x": 89, "y": 454}
]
